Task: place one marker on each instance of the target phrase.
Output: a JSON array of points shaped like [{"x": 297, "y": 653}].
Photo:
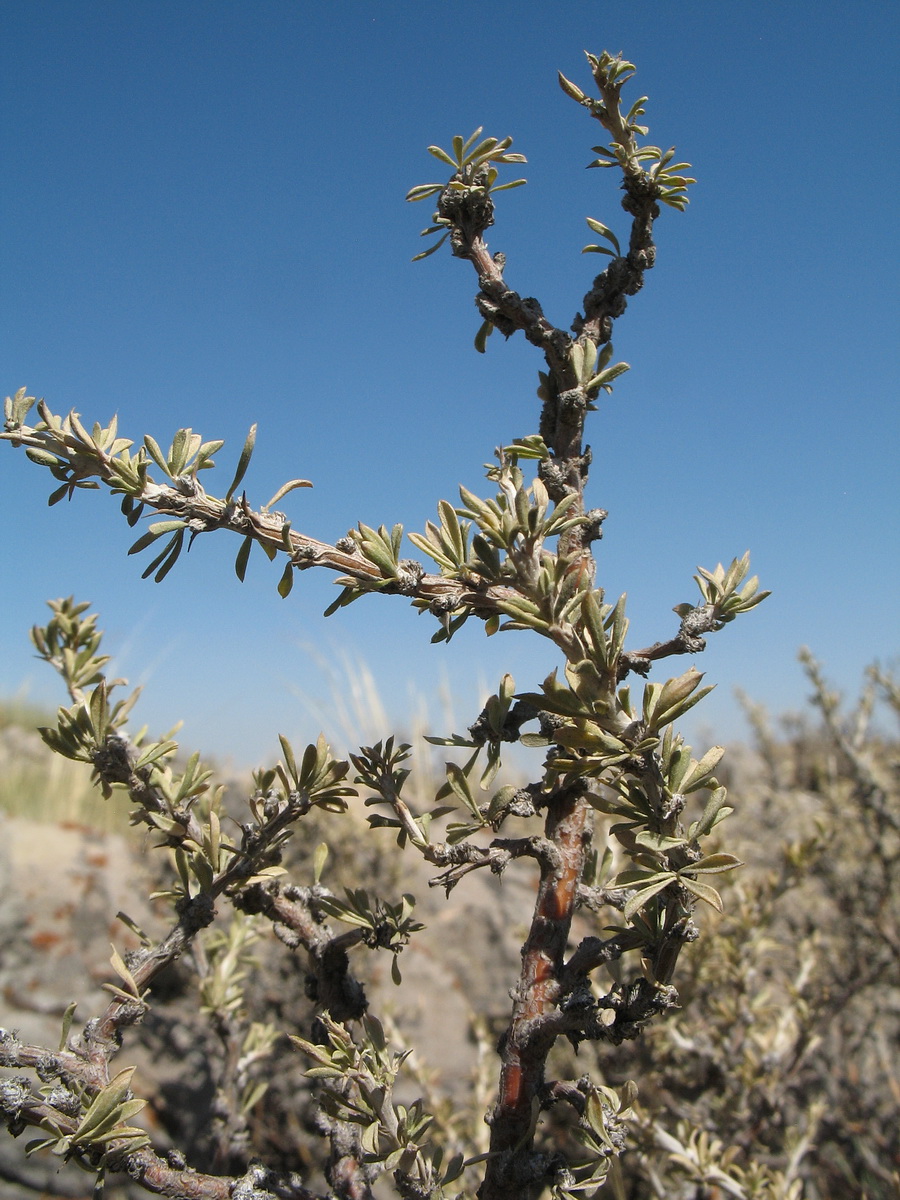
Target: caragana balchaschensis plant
[{"x": 519, "y": 558}]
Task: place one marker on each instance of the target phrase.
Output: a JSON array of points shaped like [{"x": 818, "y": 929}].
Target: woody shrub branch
[{"x": 519, "y": 559}]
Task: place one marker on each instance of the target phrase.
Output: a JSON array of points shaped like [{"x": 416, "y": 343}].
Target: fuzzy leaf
[
  {"x": 714, "y": 864},
  {"x": 287, "y": 581},
  {"x": 243, "y": 463},
  {"x": 708, "y": 820},
  {"x": 605, "y": 232},
  {"x": 290, "y": 486},
  {"x": 702, "y": 891},
  {"x": 640, "y": 898}
]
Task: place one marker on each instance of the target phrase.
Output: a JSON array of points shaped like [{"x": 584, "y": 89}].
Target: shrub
[
  {"x": 630, "y": 818},
  {"x": 778, "y": 1076}
]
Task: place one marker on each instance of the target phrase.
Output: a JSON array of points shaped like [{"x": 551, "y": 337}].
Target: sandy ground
[{"x": 62, "y": 888}]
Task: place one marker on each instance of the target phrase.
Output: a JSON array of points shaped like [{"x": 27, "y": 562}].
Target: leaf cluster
[
  {"x": 474, "y": 178},
  {"x": 601, "y": 1130},
  {"x": 727, "y": 590},
  {"x": 384, "y": 925},
  {"x": 103, "y": 1125},
  {"x": 394, "y": 1137},
  {"x": 664, "y": 180}
]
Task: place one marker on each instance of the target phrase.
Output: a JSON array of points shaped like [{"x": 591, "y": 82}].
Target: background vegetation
[{"x": 777, "y": 1080}]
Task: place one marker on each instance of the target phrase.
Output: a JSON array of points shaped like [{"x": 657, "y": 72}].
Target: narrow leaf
[
  {"x": 640, "y": 898},
  {"x": 482, "y": 336},
  {"x": 240, "y": 563},
  {"x": 153, "y": 449},
  {"x": 290, "y": 486},
  {"x": 605, "y": 232},
  {"x": 713, "y": 864},
  {"x": 431, "y": 249},
  {"x": 68, "y": 1016},
  {"x": 319, "y": 859},
  {"x": 243, "y": 463},
  {"x": 286, "y": 582},
  {"x": 702, "y": 891},
  {"x": 442, "y": 155}
]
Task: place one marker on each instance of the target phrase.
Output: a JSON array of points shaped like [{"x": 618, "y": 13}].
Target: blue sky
[{"x": 205, "y": 226}]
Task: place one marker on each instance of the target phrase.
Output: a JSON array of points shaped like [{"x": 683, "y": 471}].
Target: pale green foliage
[
  {"x": 393, "y": 1136},
  {"x": 475, "y": 174},
  {"x": 782, "y": 1064},
  {"x": 625, "y": 152},
  {"x": 516, "y": 560},
  {"x": 104, "y": 1121}
]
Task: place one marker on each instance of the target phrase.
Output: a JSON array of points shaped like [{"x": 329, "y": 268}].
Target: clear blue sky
[{"x": 204, "y": 225}]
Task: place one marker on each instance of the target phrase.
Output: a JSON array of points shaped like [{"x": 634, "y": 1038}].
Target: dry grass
[{"x": 41, "y": 786}]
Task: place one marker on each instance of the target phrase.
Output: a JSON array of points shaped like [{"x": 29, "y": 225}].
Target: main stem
[
  {"x": 510, "y": 1173},
  {"x": 513, "y": 1172}
]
